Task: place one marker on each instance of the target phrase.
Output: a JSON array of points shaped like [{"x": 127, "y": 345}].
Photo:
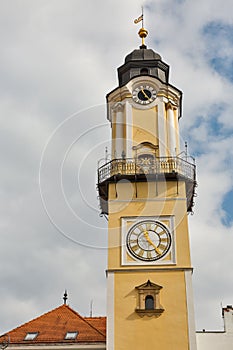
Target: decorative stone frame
[
  {"x": 145, "y": 290},
  {"x": 146, "y": 148},
  {"x": 145, "y": 154}
]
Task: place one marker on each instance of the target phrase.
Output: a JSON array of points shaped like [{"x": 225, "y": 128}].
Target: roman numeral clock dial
[
  {"x": 144, "y": 94},
  {"x": 148, "y": 240}
]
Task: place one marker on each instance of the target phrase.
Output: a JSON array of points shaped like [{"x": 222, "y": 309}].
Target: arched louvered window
[{"x": 144, "y": 71}]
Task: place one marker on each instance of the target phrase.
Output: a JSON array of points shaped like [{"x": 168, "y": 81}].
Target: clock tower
[{"x": 146, "y": 190}]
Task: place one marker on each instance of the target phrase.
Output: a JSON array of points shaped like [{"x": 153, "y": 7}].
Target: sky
[{"x": 58, "y": 61}]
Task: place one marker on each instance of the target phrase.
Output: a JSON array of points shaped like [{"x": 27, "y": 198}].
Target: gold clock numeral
[
  {"x": 135, "y": 248},
  {"x": 162, "y": 246},
  {"x": 140, "y": 228},
  {"x": 140, "y": 252},
  {"x": 148, "y": 227},
  {"x": 161, "y": 233}
]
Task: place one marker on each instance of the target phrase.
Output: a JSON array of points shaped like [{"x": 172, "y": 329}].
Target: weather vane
[{"x": 142, "y": 31}]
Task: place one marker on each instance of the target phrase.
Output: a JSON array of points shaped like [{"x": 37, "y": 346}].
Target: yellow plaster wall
[
  {"x": 145, "y": 126},
  {"x": 167, "y": 203},
  {"x": 168, "y": 331}
]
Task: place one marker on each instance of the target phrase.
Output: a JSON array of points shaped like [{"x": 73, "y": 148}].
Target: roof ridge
[
  {"x": 83, "y": 318},
  {"x": 33, "y": 319},
  {"x": 75, "y": 312},
  {"x": 95, "y": 328}
]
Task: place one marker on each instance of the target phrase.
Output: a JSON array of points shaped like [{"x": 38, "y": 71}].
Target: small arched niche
[
  {"x": 148, "y": 299},
  {"x": 149, "y": 302},
  {"x": 144, "y": 71}
]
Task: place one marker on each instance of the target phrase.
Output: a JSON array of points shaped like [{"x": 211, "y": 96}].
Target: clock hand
[
  {"x": 145, "y": 94},
  {"x": 146, "y": 234}
]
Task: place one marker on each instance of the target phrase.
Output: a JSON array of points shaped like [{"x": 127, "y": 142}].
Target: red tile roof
[
  {"x": 53, "y": 326},
  {"x": 98, "y": 322}
]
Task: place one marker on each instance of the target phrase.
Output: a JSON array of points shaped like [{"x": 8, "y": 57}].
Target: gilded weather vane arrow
[{"x": 139, "y": 19}]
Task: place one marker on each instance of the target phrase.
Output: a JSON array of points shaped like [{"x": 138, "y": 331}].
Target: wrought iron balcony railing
[{"x": 147, "y": 166}]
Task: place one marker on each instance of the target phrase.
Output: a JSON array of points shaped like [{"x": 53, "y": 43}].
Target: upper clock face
[
  {"x": 144, "y": 94},
  {"x": 148, "y": 240}
]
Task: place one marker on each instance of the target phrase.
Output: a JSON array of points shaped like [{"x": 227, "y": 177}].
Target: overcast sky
[{"x": 58, "y": 61}]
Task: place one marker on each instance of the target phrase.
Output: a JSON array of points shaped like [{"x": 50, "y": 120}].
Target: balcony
[{"x": 147, "y": 169}]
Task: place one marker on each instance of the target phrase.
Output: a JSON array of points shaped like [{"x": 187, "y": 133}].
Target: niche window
[
  {"x": 144, "y": 71},
  {"x": 148, "y": 299},
  {"x": 149, "y": 303}
]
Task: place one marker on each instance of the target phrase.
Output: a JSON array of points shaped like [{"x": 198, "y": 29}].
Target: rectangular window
[
  {"x": 31, "y": 335},
  {"x": 71, "y": 335}
]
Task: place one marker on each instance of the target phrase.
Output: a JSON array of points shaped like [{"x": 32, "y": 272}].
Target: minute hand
[{"x": 146, "y": 234}]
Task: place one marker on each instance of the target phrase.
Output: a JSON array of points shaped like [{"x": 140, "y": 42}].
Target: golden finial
[{"x": 142, "y": 32}]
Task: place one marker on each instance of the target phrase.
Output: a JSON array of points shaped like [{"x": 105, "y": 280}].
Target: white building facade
[{"x": 218, "y": 340}]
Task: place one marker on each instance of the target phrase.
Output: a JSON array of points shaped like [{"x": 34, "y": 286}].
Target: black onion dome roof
[
  {"x": 142, "y": 54},
  {"x": 143, "y": 61}
]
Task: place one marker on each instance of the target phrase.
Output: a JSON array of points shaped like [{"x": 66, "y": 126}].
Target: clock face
[
  {"x": 148, "y": 240},
  {"x": 144, "y": 94}
]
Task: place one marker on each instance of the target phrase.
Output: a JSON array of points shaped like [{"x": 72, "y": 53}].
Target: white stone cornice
[{"x": 118, "y": 107}]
